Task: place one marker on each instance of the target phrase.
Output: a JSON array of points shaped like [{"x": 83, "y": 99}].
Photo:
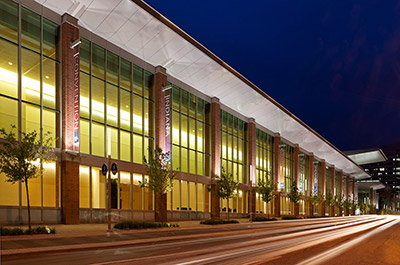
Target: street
[{"x": 340, "y": 240}]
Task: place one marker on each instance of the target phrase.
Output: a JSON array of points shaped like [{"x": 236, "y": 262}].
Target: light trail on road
[{"x": 260, "y": 244}]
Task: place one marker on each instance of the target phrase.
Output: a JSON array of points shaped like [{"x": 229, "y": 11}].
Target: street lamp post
[{"x": 109, "y": 180}]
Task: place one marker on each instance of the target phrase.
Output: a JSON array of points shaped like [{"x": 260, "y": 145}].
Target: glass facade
[
  {"x": 29, "y": 94},
  {"x": 304, "y": 174},
  {"x": 189, "y": 196},
  {"x": 337, "y": 184},
  {"x": 264, "y": 155},
  {"x": 29, "y": 71},
  {"x": 116, "y": 98},
  {"x": 126, "y": 192},
  {"x": 328, "y": 179},
  {"x": 234, "y": 146},
  {"x": 286, "y": 167},
  {"x": 190, "y": 136}
]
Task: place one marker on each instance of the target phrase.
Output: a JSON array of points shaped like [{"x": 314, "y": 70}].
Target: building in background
[
  {"x": 387, "y": 172},
  {"x": 89, "y": 71}
]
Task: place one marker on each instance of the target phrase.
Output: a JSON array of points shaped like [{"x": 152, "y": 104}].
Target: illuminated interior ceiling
[
  {"x": 368, "y": 156},
  {"x": 142, "y": 31}
]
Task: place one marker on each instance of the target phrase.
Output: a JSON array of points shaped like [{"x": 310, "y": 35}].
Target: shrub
[
  {"x": 7, "y": 231},
  {"x": 263, "y": 219},
  {"x": 218, "y": 222},
  {"x": 42, "y": 230},
  {"x": 290, "y": 217},
  {"x": 142, "y": 225}
]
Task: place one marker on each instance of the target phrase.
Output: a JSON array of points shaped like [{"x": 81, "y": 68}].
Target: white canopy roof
[
  {"x": 366, "y": 156},
  {"x": 139, "y": 29}
]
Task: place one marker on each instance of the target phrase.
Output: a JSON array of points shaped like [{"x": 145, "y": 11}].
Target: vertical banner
[
  {"x": 76, "y": 102},
  {"x": 167, "y": 111},
  {"x": 283, "y": 170},
  {"x": 315, "y": 178},
  {"x": 301, "y": 175}
]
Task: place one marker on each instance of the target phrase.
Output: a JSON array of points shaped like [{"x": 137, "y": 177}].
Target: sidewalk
[{"x": 95, "y": 236}]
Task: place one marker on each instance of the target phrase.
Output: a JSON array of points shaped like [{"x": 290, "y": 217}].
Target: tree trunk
[
  {"x": 228, "y": 208},
  {"x": 29, "y": 207},
  {"x": 267, "y": 211}
]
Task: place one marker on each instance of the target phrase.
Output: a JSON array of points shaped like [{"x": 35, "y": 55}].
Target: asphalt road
[{"x": 341, "y": 240}]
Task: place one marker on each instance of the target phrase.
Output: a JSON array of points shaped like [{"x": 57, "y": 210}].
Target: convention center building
[{"x": 88, "y": 71}]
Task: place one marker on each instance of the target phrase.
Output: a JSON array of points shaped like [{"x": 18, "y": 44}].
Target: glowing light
[{"x": 10, "y": 63}]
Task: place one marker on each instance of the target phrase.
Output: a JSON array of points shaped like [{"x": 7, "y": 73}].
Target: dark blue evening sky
[{"x": 334, "y": 64}]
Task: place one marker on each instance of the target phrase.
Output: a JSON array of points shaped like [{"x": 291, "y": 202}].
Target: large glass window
[
  {"x": 190, "y": 133},
  {"x": 116, "y": 97},
  {"x": 304, "y": 174},
  {"x": 234, "y": 146},
  {"x": 264, "y": 155},
  {"x": 286, "y": 167},
  {"x": 38, "y": 85},
  {"x": 84, "y": 187},
  {"x": 338, "y": 192}
]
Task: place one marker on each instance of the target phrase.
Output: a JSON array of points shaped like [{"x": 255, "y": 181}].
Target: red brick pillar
[
  {"x": 347, "y": 212},
  {"x": 69, "y": 158},
  {"x": 162, "y": 117},
  {"x": 160, "y": 81},
  {"x": 215, "y": 155},
  {"x": 323, "y": 186},
  {"x": 277, "y": 174},
  {"x": 341, "y": 189},
  {"x": 332, "y": 208},
  {"x": 252, "y": 166},
  {"x": 311, "y": 186},
  {"x": 354, "y": 193},
  {"x": 296, "y": 153}
]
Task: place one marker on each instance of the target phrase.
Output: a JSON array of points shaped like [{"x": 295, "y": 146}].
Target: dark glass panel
[
  {"x": 9, "y": 20},
  {"x": 112, "y": 68},
  {"x": 50, "y": 39},
  {"x": 84, "y": 53},
  {"x": 30, "y": 30}
]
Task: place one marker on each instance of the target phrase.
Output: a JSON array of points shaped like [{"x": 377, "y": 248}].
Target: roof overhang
[
  {"x": 374, "y": 184},
  {"x": 367, "y": 156},
  {"x": 139, "y": 29}
]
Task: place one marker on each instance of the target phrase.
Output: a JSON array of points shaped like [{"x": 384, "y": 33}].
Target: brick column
[
  {"x": 341, "y": 189},
  {"x": 161, "y": 119},
  {"x": 69, "y": 159},
  {"x": 347, "y": 212},
  {"x": 371, "y": 196},
  {"x": 354, "y": 194},
  {"x": 323, "y": 186},
  {"x": 160, "y": 81},
  {"x": 332, "y": 208},
  {"x": 215, "y": 154},
  {"x": 296, "y": 152},
  {"x": 311, "y": 186},
  {"x": 252, "y": 166},
  {"x": 277, "y": 174}
]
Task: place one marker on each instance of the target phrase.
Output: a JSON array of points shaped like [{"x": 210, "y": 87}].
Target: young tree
[
  {"x": 265, "y": 189},
  {"x": 21, "y": 160},
  {"x": 226, "y": 187},
  {"x": 330, "y": 201},
  {"x": 294, "y": 194},
  {"x": 160, "y": 180},
  {"x": 315, "y": 200},
  {"x": 339, "y": 202},
  {"x": 347, "y": 205},
  {"x": 294, "y": 197}
]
